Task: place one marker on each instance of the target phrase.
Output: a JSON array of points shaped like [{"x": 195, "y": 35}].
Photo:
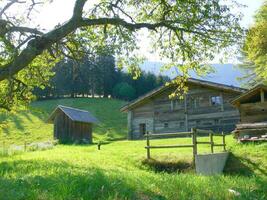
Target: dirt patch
[{"x": 168, "y": 166}]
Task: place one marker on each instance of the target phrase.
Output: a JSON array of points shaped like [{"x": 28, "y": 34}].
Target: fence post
[
  {"x": 194, "y": 142},
  {"x": 211, "y": 142},
  {"x": 147, "y": 145},
  {"x": 223, "y": 135}
]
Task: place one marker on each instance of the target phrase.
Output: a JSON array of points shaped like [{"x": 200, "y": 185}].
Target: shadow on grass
[
  {"x": 168, "y": 166},
  {"x": 17, "y": 122},
  {"x": 27, "y": 115},
  {"x": 60, "y": 180},
  {"x": 236, "y": 165}
]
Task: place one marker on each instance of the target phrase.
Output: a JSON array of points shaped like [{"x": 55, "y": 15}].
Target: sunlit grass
[
  {"x": 31, "y": 126},
  {"x": 116, "y": 172}
]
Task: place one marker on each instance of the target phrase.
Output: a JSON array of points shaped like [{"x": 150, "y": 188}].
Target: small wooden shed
[
  {"x": 252, "y": 106},
  {"x": 72, "y": 125}
]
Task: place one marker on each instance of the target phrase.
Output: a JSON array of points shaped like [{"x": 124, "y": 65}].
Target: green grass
[
  {"x": 31, "y": 126},
  {"x": 117, "y": 172}
]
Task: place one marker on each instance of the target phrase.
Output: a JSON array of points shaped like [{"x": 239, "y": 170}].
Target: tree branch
[
  {"x": 36, "y": 46},
  {"x": 7, "y": 27},
  {"x": 9, "y": 5},
  {"x": 23, "y": 29},
  {"x": 43, "y": 42},
  {"x": 78, "y": 9}
]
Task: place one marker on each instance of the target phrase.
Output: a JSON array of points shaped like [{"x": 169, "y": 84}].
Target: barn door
[{"x": 142, "y": 129}]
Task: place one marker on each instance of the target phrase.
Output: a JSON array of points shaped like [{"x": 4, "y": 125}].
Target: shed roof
[
  {"x": 74, "y": 114},
  {"x": 190, "y": 81},
  {"x": 249, "y": 94}
]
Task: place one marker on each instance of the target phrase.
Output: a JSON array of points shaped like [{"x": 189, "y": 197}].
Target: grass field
[
  {"x": 31, "y": 126},
  {"x": 119, "y": 170}
]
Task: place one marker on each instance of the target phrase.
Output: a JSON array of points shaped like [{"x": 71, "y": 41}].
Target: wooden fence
[{"x": 194, "y": 133}]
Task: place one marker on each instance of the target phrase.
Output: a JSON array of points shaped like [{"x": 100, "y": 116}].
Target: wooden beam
[
  {"x": 167, "y": 134},
  {"x": 147, "y": 146},
  {"x": 190, "y": 81},
  {"x": 153, "y": 126},
  {"x": 218, "y": 145},
  {"x": 211, "y": 143},
  {"x": 222, "y": 105},
  {"x": 130, "y": 118},
  {"x": 203, "y": 143},
  {"x": 224, "y": 149},
  {"x": 185, "y": 112},
  {"x": 172, "y": 106},
  {"x": 200, "y": 131},
  {"x": 169, "y": 146},
  {"x": 194, "y": 143}
]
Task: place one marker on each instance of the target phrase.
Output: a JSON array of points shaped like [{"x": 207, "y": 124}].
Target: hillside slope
[{"x": 31, "y": 125}]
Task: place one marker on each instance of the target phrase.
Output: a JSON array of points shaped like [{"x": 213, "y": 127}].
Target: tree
[
  {"x": 186, "y": 32},
  {"x": 254, "y": 50},
  {"x": 89, "y": 76},
  {"x": 107, "y": 64},
  {"x": 124, "y": 91}
]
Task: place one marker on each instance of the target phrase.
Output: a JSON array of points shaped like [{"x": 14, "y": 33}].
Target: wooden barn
[
  {"x": 205, "y": 106},
  {"x": 72, "y": 125},
  {"x": 252, "y": 106}
]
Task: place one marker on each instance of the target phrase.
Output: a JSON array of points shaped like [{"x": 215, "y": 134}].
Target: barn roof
[
  {"x": 249, "y": 94},
  {"x": 74, "y": 114},
  {"x": 195, "y": 81}
]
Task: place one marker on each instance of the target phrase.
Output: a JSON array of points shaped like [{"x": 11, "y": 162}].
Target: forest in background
[{"x": 97, "y": 77}]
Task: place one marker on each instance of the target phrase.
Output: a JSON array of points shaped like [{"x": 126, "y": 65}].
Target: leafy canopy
[
  {"x": 255, "y": 49},
  {"x": 186, "y": 32}
]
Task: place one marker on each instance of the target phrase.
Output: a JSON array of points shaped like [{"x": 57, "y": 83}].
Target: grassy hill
[
  {"x": 31, "y": 126},
  {"x": 118, "y": 171}
]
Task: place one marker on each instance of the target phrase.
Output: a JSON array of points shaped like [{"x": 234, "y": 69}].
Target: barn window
[
  {"x": 216, "y": 100},
  {"x": 166, "y": 125}
]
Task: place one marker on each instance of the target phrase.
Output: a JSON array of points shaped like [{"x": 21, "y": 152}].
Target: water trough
[{"x": 211, "y": 164}]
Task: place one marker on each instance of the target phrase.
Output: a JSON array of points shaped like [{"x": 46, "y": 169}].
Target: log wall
[
  {"x": 66, "y": 130},
  {"x": 253, "y": 112},
  {"x": 195, "y": 110}
]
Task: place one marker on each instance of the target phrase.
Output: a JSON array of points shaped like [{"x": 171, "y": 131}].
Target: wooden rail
[
  {"x": 194, "y": 133},
  {"x": 169, "y": 146},
  {"x": 167, "y": 134}
]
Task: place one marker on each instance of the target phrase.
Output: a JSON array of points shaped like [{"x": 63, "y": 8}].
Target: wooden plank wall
[
  {"x": 65, "y": 130},
  {"x": 141, "y": 115},
  {"x": 253, "y": 112},
  {"x": 160, "y": 114}
]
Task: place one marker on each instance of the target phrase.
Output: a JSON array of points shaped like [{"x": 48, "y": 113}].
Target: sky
[
  {"x": 61, "y": 10},
  {"x": 249, "y": 11}
]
